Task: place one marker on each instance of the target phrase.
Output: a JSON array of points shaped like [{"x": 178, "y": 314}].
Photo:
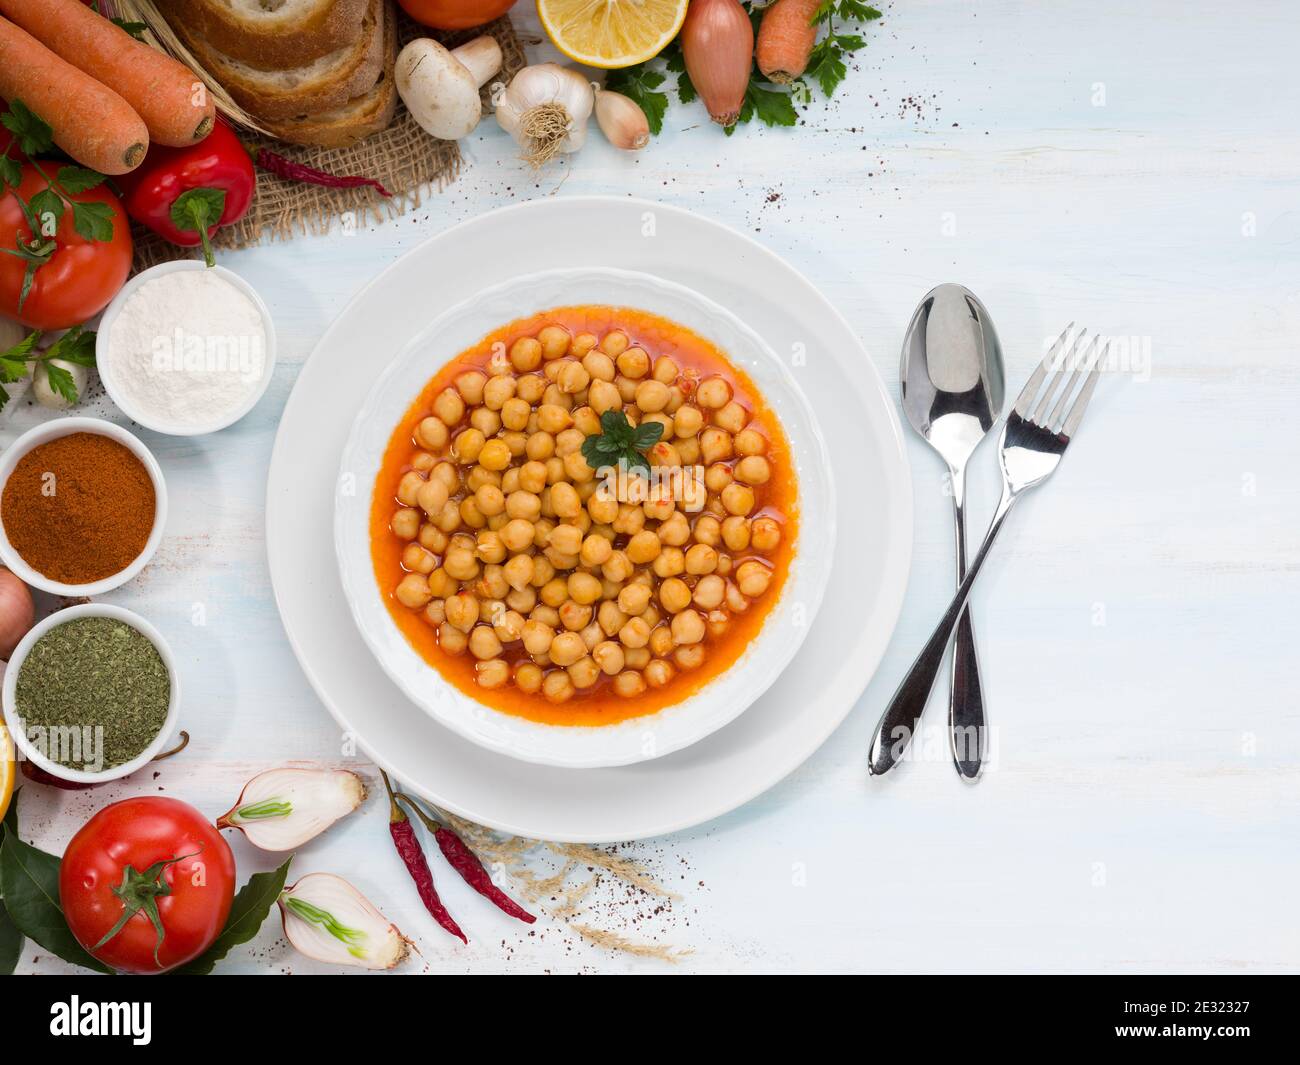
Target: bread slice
[
  {"x": 319, "y": 85},
  {"x": 342, "y": 127},
  {"x": 269, "y": 34}
]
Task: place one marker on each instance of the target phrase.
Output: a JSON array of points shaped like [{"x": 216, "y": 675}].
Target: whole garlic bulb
[{"x": 545, "y": 109}]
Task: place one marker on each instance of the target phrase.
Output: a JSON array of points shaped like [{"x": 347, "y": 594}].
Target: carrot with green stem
[{"x": 786, "y": 38}]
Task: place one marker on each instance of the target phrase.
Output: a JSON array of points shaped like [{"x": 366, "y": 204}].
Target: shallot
[
  {"x": 718, "y": 46},
  {"x": 326, "y": 918},
  {"x": 621, "y": 120},
  {"x": 282, "y": 809}
]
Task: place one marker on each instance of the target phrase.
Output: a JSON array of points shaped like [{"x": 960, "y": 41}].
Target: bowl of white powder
[{"x": 186, "y": 348}]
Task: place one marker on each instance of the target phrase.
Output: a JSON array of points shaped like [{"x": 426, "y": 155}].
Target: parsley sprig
[
  {"x": 621, "y": 441},
  {"x": 44, "y": 211},
  {"x": 769, "y": 103},
  {"x": 76, "y": 346}
]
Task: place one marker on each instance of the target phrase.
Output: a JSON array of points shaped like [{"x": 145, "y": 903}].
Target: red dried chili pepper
[
  {"x": 467, "y": 863},
  {"x": 289, "y": 170},
  {"x": 408, "y": 848}
]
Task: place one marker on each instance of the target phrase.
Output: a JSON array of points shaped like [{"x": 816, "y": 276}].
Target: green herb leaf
[
  {"x": 647, "y": 435},
  {"x": 61, "y": 381},
  {"x": 677, "y": 65},
  {"x": 771, "y": 106},
  {"x": 11, "y": 939},
  {"x": 93, "y": 220},
  {"x": 11, "y": 172},
  {"x": 198, "y": 210},
  {"x": 135, "y": 29},
  {"x": 75, "y": 179},
  {"x": 29, "y": 881},
  {"x": 640, "y": 84},
  {"x": 250, "y": 908},
  {"x": 47, "y": 202},
  {"x": 76, "y": 346},
  {"x": 34, "y": 137}
]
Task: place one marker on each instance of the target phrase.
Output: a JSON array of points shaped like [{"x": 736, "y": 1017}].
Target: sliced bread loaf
[
  {"x": 343, "y": 126},
  {"x": 321, "y": 84},
  {"x": 269, "y": 34}
]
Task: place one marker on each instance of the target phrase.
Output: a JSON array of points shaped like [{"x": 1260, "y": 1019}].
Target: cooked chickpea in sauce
[{"x": 511, "y": 568}]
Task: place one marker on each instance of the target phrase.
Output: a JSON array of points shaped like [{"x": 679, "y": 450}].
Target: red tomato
[
  {"x": 455, "y": 14},
  {"x": 114, "y": 863},
  {"x": 80, "y": 277}
]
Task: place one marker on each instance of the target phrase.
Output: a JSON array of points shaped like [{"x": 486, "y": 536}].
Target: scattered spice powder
[
  {"x": 79, "y": 508},
  {"x": 92, "y": 693}
]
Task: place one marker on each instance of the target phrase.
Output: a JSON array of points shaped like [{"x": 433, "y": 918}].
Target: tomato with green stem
[
  {"x": 65, "y": 250},
  {"x": 146, "y": 884}
]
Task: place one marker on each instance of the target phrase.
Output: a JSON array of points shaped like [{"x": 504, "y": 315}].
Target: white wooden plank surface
[{"x": 1130, "y": 166}]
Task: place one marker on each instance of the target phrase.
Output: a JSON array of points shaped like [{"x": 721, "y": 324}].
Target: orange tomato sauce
[{"x": 599, "y": 704}]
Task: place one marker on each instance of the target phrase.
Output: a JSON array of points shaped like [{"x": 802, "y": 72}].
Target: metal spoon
[{"x": 953, "y": 390}]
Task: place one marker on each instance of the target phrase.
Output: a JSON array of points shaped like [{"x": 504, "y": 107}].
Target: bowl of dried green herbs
[{"x": 91, "y": 693}]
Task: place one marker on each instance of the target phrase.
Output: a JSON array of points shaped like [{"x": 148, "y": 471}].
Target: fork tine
[
  {"x": 1027, "y": 394},
  {"x": 1083, "y": 359},
  {"x": 1085, "y": 394},
  {"x": 1057, "y": 374}
]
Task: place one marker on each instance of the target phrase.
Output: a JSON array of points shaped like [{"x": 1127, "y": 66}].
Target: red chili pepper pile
[{"x": 458, "y": 856}]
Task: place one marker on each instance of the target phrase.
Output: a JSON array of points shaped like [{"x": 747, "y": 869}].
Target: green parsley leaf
[
  {"x": 11, "y": 172},
  {"x": 93, "y": 220},
  {"x": 47, "y": 202},
  {"x": 677, "y": 65},
  {"x": 640, "y": 84},
  {"x": 34, "y": 137},
  {"x": 825, "y": 66},
  {"x": 198, "y": 210},
  {"x": 135, "y": 29},
  {"x": 76, "y": 346},
  {"x": 75, "y": 179},
  {"x": 772, "y": 107},
  {"x": 61, "y": 381}
]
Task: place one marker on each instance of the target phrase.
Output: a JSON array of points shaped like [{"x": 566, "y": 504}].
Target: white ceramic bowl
[
  {"x": 89, "y": 610},
  {"x": 107, "y": 370},
  {"x": 638, "y": 739},
  {"x": 51, "y": 430}
]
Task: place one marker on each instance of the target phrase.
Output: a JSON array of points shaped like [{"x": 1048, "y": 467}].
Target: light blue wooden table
[{"x": 1134, "y": 167}]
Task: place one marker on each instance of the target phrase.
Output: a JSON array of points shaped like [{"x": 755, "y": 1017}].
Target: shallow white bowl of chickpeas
[{"x": 586, "y": 518}]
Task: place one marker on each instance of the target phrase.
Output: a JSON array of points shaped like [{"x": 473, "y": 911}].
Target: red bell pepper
[{"x": 185, "y": 194}]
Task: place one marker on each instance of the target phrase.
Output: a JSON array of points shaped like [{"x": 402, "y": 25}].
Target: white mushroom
[{"x": 440, "y": 87}]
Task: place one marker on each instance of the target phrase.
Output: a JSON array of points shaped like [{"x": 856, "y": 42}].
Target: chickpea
[
  {"x": 566, "y": 539},
  {"x": 753, "y": 578},
  {"x": 572, "y": 378},
  {"x": 584, "y": 672},
  {"x": 470, "y": 386},
  {"x": 492, "y": 673},
  {"x": 441, "y": 584},
  {"x": 582, "y": 343},
  {"x": 715, "y": 445},
  {"x": 614, "y": 343},
  {"x": 526, "y": 354},
  {"x": 610, "y": 618},
  {"x": 490, "y": 500},
  {"x": 629, "y": 684},
  {"x": 735, "y": 599},
  {"x": 717, "y": 477},
  {"x": 416, "y": 559},
  {"x": 709, "y": 592},
  {"x": 635, "y": 633},
  {"x": 689, "y": 657},
  {"x": 644, "y": 546},
  {"x": 517, "y": 534},
  {"x": 497, "y": 390},
  {"x": 564, "y": 501},
  {"x": 617, "y": 568},
  {"x": 405, "y": 523},
  {"x": 637, "y": 657},
  {"x": 461, "y": 610},
  {"x": 432, "y": 538},
  {"x": 687, "y": 421},
  {"x": 765, "y": 534},
  {"x": 537, "y": 636},
  {"x": 701, "y": 559},
  {"x": 567, "y": 648},
  {"x": 750, "y": 442},
  {"x": 487, "y": 422},
  {"x": 665, "y": 371},
  {"x": 599, "y": 366},
  {"x": 663, "y": 454},
  {"x": 658, "y": 673},
  {"x": 575, "y": 616},
  {"x": 688, "y": 627},
  {"x": 528, "y": 677},
  {"x": 469, "y": 514},
  {"x": 736, "y": 532},
  {"x": 583, "y": 588},
  {"x": 661, "y": 641},
  {"x": 451, "y": 639},
  {"x": 408, "y": 488},
  {"x": 515, "y": 413},
  {"x": 634, "y": 598},
  {"x": 436, "y": 612},
  {"x": 708, "y": 530},
  {"x": 670, "y": 563},
  {"x": 738, "y": 499},
  {"x": 674, "y": 531},
  {"x": 554, "y": 341},
  {"x": 539, "y": 446},
  {"x": 595, "y": 550},
  {"x": 633, "y": 363},
  {"x": 552, "y": 418},
  {"x": 423, "y": 461},
  {"x": 651, "y": 396},
  {"x": 557, "y": 686},
  {"x": 413, "y": 591},
  {"x": 603, "y": 396},
  {"x": 448, "y": 518},
  {"x": 518, "y": 572},
  {"x": 714, "y": 393},
  {"x": 495, "y": 455},
  {"x": 753, "y": 469},
  {"x": 732, "y": 417},
  {"x": 674, "y": 595},
  {"x": 719, "y": 622},
  {"x": 609, "y": 656},
  {"x": 432, "y": 434},
  {"x": 449, "y": 407},
  {"x": 460, "y": 563}
]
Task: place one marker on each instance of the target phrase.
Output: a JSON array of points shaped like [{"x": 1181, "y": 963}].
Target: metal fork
[{"x": 1034, "y": 438}]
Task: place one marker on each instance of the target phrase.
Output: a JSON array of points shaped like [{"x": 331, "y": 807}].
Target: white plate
[
  {"x": 639, "y": 739},
  {"x": 798, "y": 712}
]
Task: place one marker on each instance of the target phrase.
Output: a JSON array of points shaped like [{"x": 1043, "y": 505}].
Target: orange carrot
[
  {"x": 785, "y": 39},
  {"x": 169, "y": 97},
  {"x": 90, "y": 121}
]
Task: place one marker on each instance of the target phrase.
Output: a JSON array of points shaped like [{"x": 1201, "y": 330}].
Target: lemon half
[
  {"x": 7, "y": 770},
  {"x": 611, "y": 33}
]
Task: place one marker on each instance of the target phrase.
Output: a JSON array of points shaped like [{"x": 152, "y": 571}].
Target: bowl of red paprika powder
[{"x": 82, "y": 506}]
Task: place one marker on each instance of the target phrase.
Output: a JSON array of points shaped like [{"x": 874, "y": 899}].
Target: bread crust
[{"x": 268, "y": 47}]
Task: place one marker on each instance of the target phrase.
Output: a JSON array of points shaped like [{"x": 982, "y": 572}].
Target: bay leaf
[{"x": 247, "y": 913}]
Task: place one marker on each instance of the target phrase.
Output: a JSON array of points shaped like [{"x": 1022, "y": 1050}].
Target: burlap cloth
[{"x": 403, "y": 158}]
